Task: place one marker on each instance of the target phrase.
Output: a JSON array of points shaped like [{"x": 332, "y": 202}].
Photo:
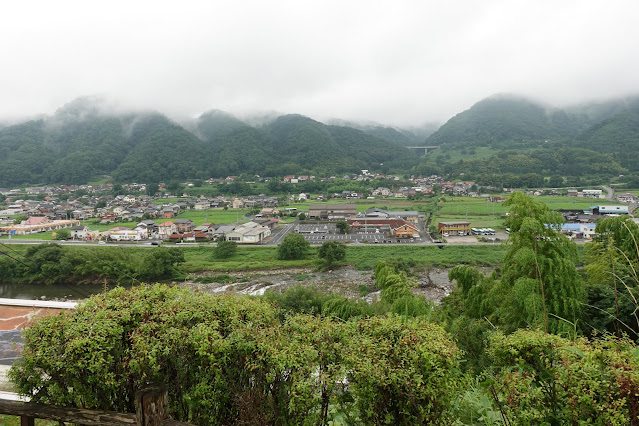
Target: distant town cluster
[{"x": 95, "y": 213}]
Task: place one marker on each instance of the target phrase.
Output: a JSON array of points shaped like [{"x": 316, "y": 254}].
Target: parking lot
[
  {"x": 318, "y": 233},
  {"x": 360, "y": 238}
]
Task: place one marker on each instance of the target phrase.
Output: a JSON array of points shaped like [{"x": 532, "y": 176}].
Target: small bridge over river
[{"x": 422, "y": 149}]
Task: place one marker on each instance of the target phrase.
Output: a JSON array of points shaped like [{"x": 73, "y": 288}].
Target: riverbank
[{"x": 432, "y": 282}]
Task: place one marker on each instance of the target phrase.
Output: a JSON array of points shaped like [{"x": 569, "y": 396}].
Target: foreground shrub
[
  {"x": 401, "y": 371},
  {"x": 235, "y": 360},
  {"x": 546, "y": 379}
]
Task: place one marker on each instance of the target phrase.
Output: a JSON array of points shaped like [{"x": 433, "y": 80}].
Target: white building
[
  {"x": 248, "y": 233},
  {"x": 592, "y": 193},
  {"x": 126, "y": 235}
]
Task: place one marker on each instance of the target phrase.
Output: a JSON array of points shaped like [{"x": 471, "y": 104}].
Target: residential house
[
  {"x": 79, "y": 232},
  {"x": 269, "y": 212},
  {"x": 166, "y": 229},
  {"x": 627, "y": 198},
  {"x": 202, "y": 205},
  {"x": 184, "y": 225},
  {"x": 206, "y": 228},
  {"x": 149, "y": 226},
  {"x": 591, "y": 193}
]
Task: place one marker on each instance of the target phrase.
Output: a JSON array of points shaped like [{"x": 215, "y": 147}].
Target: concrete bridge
[{"x": 422, "y": 149}]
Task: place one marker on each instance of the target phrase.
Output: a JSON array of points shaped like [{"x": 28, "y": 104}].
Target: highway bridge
[{"x": 422, "y": 149}]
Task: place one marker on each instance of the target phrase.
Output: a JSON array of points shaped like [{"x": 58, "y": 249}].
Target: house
[
  {"x": 184, "y": 225},
  {"x": 149, "y": 226},
  {"x": 268, "y": 212},
  {"x": 578, "y": 230},
  {"x": 189, "y": 236},
  {"x": 206, "y": 228},
  {"x": 332, "y": 211},
  {"x": 454, "y": 228},
  {"x": 165, "y": 229},
  {"x": 627, "y": 198},
  {"x": 592, "y": 193},
  {"x": 36, "y": 220},
  {"x": 202, "y": 205},
  {"x": 79, "y": 232},
  {"x": 381, "y": 191},
  {"x": 237, "y": 203}
]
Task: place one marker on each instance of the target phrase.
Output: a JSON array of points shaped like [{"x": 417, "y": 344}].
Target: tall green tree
[
  {"x": 342, "y": 226},
  {"x": 539, "y": 269},
  {"x": 293, "y": 247},
  {"x": 331, "y": 253},
  {"x": 612, "y": 262}
]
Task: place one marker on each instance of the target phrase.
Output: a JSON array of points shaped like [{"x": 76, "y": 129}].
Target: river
[{"x": 59, "y": 292}]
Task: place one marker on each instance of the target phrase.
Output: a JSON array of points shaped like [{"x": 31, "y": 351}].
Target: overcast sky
[{"x": 394, "y": 62}]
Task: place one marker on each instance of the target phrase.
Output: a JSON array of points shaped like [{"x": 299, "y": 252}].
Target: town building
[
  {"x": 454, "y": 228},
  {"x": 332, "y": 211}
]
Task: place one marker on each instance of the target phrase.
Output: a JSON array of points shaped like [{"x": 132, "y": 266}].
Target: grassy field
[
  {"x": 200, "y": 258},
  {"x": 482, "y": 213},
  {"x": 6, "y": 420}
]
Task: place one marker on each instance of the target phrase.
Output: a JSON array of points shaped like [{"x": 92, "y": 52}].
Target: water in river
[{"x": 50, "y": 292}]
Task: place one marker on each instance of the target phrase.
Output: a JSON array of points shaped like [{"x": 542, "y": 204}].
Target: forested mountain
[
  {"x": 516, "y": 136},
  {"x": 502, "y": 119},
  {"x": 82, "y": 141},
  {"x": 413, "y": 136},
  {"x": 506, "y": 121}
]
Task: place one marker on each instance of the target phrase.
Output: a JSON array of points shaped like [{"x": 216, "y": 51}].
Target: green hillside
[{"x": 81, "y": 142}]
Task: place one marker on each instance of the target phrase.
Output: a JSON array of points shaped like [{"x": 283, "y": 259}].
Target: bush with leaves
[
  {"x": 63, "y": 234},
  {"x": 331, "y": 253},
  {"x": 225, "y": 249},
  {"x": 161, "y": 263},
  {"x": 230, "y": 360},
  {"x": 342, "y": 226},
  {"x": 293, "y": 247},
  {"x": 401, "y": 371},
  {"x": 546, "y": 379}
]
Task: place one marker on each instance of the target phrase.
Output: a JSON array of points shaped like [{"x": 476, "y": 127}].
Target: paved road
[
  {"x": 82, "y": 243},
  {"x": 610, "y": 193}
]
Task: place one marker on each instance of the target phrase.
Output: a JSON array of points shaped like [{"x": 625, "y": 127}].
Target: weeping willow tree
[{"x": 539, "y": 283}]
